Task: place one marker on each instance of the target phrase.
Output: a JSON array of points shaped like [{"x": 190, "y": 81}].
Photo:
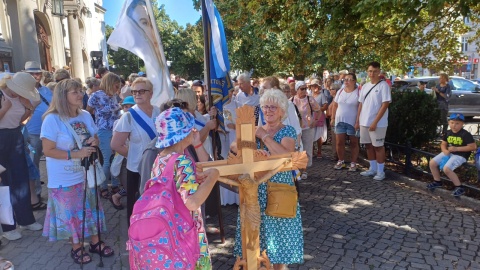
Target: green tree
[{"x": 303, "y": 36}]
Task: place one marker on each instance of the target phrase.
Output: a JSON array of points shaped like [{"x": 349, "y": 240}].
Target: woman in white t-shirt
[
  {"x": 66, "y": 175},
  {"x": 138, "y": 126},
  {"x": 344, "y": 113}
]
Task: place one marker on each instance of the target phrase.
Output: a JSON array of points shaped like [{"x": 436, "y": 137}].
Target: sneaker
[
  {"x": 340, "y": 164},
  {"x": 353, "y": 167},
  {"x": 304, "y": 175},
  {"x": 368, "y": 173},
  {"x": 435, "y": 184},
  {"x": 34, "y": 226},
  {"x": 12, "y": 235},
  {"x": 458, "y": 191},
  {"x": 379, "y": 176}
]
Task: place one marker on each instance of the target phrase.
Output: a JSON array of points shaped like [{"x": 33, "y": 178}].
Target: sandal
[
  {"x": 78, "y": 258},
  {"x": 116, "y": 206},
  {"x": 39, "y": 206},
  {"x": 5, "y": 264},
  {"x": 105, "y": 193},
  {"x": 96, "y": 248}
]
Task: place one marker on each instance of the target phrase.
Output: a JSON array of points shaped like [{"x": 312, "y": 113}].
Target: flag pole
[{"x": 206, "y": 66}]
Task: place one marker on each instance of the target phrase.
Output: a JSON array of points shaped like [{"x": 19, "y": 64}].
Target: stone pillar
[
  {"x": 75, "y": 45},
  {"x": 27, "y": 33}
]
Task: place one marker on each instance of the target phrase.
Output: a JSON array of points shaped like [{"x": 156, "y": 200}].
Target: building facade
[{"x": 29, "y": 31}]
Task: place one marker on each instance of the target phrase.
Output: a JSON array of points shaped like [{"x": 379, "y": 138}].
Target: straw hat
[
  {"x": 32, "y": 67},
  {"x": 23, "y": 84}
]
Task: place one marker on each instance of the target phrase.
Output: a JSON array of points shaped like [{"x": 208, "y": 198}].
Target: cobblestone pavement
[{"x": 349, "y": 222}]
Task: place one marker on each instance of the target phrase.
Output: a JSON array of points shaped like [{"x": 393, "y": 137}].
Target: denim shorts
[{"x": 344, "y": 128}]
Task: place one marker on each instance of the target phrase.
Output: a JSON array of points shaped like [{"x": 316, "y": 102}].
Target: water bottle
[{"x": 32, "y": 150}]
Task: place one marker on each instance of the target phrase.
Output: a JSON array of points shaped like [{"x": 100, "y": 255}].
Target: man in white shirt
[
  {"x": 372, "y": 119},
  {"x": 247, "y": 95}
]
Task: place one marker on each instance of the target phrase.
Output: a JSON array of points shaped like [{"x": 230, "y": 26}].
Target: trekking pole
[
  {"x": 86, "y": 164},
  {"x": 94, "y": 155}
]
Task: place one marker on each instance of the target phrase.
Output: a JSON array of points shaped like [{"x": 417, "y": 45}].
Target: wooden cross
[{"x": 248, "y": 169}]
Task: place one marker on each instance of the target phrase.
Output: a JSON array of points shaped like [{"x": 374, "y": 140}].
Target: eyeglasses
[
  {"x": 140, "y": 91},
  {"x": 271, "y": 108}
]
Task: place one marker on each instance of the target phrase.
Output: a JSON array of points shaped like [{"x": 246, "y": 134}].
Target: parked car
[
  {"x": 465, "y": 96},
  {"x": 476, "y": 81}
]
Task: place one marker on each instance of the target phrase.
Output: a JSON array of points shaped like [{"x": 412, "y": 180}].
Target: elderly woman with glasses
[
  {"x": 138, "y": 126},
  {"x": 282, "y": 238},
  {"x": 307, "y": 106}
]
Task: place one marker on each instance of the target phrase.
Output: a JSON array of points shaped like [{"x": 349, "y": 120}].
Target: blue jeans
[
  {"x": 105, "y": 136},
  {"x": 35, "y": 141},
  {"x": 12, "y": 157}
]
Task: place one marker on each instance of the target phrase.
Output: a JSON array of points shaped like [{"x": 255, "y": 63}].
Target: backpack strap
[
  {"x": 142, "y": 123},
  {"x": 167, "y": 172},
  {"x": 310, "y": 105}
]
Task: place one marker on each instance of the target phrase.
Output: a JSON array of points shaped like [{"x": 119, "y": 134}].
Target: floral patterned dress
[
  {"x": 281, "y": 237},
  {"x": 187, "y": 185}
]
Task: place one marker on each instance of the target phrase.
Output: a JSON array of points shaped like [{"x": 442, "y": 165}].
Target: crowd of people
[{"x": 67, "y": 121}]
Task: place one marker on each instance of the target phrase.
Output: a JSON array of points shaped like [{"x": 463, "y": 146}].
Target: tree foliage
[{"x": 304, "y": 36}]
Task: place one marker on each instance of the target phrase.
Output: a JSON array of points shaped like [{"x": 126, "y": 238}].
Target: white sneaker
[
  {"x": 379, "y": 176},
  {"x": 12, "y": 235},
  {"x": 368, "y": 173},
  {"x": 34, "y": 226}
]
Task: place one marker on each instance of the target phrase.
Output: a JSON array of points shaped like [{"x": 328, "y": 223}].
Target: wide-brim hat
[
  {"x": 173, "y": 125},
  {"x": 23, "y": 84},
  {"x": 32, "y": 67}
]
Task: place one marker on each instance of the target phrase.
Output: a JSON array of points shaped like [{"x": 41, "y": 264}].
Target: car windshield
[{"x": 463, "y": 85}]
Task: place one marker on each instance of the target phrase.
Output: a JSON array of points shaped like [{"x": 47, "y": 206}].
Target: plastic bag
[
  {"x": 6, "y": 211},
  {"x": 116, "y": 165}
]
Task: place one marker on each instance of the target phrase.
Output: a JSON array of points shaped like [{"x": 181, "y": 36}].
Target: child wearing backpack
[
  {"x": 166, "y": 226},
  {"x": 457, "y": 145}
]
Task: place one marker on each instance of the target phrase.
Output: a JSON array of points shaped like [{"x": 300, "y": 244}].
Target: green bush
[{"x": 413, "y": 116}]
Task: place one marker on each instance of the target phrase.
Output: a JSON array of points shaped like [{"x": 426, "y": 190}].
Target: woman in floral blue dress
[
  {"x": 107, "y": 110},
  {"x": 282, "y": 238}
]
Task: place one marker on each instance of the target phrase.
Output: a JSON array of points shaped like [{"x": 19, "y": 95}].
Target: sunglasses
[
  {"x": 303, "y": 89},
  {"x": 140, "y": 91}
]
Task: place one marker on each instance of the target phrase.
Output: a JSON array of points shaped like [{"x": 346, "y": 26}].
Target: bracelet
[
  {"x": 198, "y": 145},
  {"x": 69, "y": 155},
  {"x": 264, "y": 137}
]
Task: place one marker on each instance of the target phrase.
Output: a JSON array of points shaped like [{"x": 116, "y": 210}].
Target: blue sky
[{"x": 181, "y": 11}]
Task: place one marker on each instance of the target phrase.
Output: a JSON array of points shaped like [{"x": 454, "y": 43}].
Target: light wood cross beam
[{"x": 247, "y": 170}]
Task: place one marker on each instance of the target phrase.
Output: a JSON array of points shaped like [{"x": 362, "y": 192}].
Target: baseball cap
[{"x": 457, "y": 116}]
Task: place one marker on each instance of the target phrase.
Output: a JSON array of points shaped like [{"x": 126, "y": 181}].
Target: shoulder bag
[
  {"x": 91, "y": 172},
  {"x": 282, "y": 200}
]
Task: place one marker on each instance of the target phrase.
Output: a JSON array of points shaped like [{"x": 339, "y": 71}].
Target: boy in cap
[{"x": 457, "y": 145}]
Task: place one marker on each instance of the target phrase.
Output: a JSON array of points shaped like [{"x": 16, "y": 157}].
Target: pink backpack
[{"x": 162, "y": 233}]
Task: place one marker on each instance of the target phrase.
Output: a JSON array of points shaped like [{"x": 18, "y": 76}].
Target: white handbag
[
  {"x": 6, "y": 211},
  {"x": 93, "y": 168}
]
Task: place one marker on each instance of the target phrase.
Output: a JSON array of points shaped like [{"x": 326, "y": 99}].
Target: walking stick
[
  {"x": 94, "y": 155},
  {"x": 86, "y": 164}
]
